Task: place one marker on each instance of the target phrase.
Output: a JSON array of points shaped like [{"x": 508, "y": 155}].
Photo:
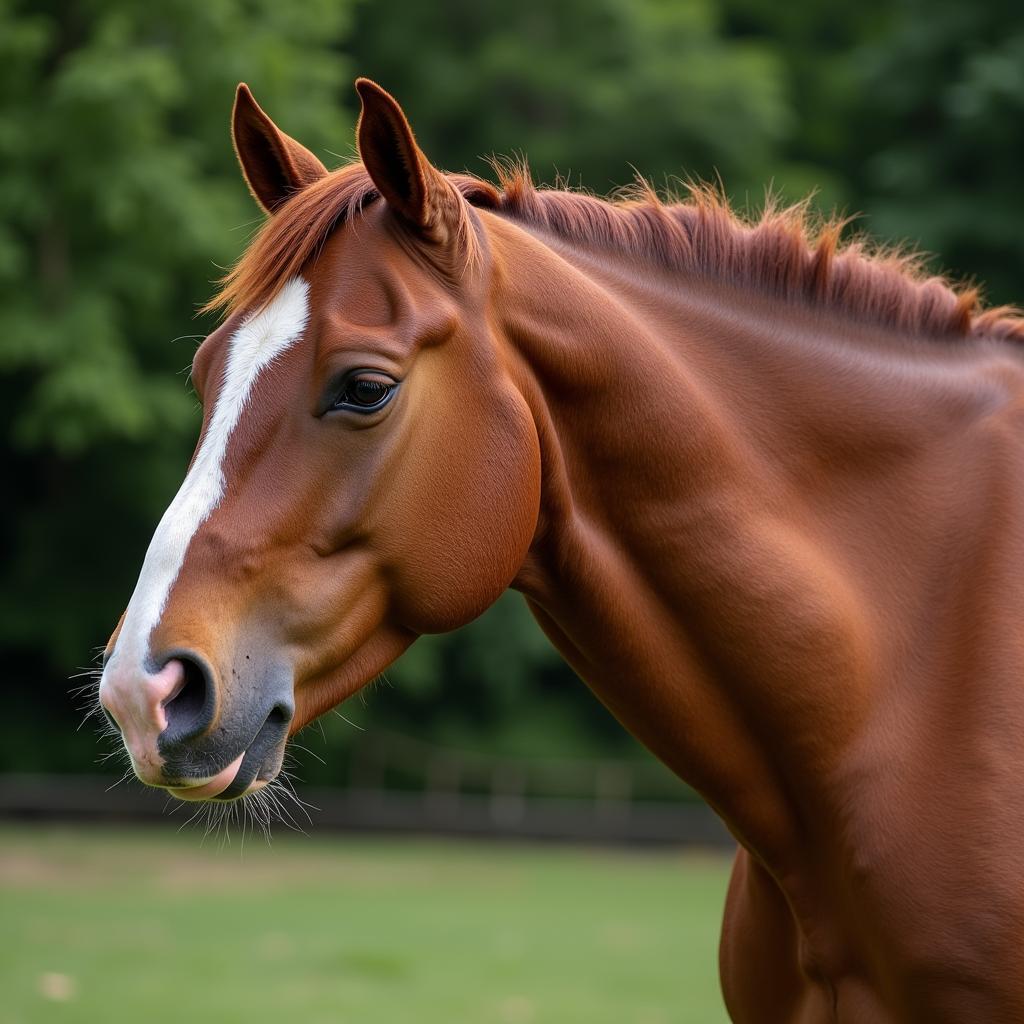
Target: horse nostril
[
  {"x": 280, "y": 714},
  {"x": 191, "y": 709}
]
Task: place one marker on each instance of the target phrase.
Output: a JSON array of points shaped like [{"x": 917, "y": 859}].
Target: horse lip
[
  {"x": 212, "y": 787},
  {"x": 267, "y": 740},
  {"x": 247, "y": 776}
]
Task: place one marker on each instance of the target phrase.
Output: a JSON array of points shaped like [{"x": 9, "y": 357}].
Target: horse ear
[
  {"x": 409, "y": 184},
  {"x": 275, "y": 166}
]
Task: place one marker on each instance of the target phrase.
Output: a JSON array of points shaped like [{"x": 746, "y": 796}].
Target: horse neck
[{"x": 737, "y": 497}]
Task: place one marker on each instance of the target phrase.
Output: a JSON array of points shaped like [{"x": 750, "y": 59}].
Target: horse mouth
[
  {"x": 251, "y": 770},
  {"x": 213, "y": 788},
  {"x": 233, "y": 783}
]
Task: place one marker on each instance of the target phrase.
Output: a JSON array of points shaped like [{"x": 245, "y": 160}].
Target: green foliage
[
  {"x": 944, "y": 168},
  {"x": 908, "y": 113},
  {"x": 120, "y": 201},
  {"x": 587, "y": 88},
  {"x": 118, "y": 191}
]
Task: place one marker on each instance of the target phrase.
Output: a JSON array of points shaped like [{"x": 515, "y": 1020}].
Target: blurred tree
[
  {"x": 908, "y": 113},
  {"x": 119, "y": 189},
  {"x": 118, "y": 193},
  {"x": 817, "y": 46},
  {"x": 939, "y": 136},
  {"x": 119, "y": 200},
  {"x": 587, "y": 88}
]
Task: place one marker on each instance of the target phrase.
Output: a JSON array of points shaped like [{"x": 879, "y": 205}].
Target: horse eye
[{"x": 364, "y": 393}]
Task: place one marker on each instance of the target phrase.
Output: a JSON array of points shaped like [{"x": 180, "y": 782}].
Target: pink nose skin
[{"x": 136, "y": 702}]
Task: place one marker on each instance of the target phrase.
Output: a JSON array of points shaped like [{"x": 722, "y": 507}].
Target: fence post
[
  {"x": 443, "y": 791},
  {"x": 613, "y": 788},
  {"x": 508, "y": 785}
]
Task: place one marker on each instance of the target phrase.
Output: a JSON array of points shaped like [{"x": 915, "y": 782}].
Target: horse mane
[{"x": 783, "y": 252}]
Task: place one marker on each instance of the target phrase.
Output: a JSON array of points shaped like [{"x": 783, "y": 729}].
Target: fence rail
[
  {"x": 503, "y": 813},
  {"x": 389, "y": 760}
]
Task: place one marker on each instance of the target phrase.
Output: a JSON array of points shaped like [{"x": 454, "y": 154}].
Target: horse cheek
[{"x": 464, "y": 518}]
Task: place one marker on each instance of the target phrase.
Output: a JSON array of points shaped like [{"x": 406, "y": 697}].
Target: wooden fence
[{"x": 400, "y": 784}]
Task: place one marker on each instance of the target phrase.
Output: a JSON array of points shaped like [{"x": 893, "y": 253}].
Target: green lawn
[{"x": 110, "y": 926}]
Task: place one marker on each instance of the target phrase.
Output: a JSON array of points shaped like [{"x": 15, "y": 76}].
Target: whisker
[
  {"x": 285, "y": 787},
  {"x": 124, "y": 778},
  {"x": 90, "y": 673},
  {"x": 348, "y": 720},
  {"x": 188, "y": 821},
  {"x": 299, "y": 746},
  {"x": 276, "y": 796}
]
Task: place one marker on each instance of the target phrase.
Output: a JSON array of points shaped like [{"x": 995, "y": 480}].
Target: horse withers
[{"x": 765, "y": 493}]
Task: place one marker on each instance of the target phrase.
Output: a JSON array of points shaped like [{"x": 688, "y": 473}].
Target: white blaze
[{"x": 258, "y": 341}]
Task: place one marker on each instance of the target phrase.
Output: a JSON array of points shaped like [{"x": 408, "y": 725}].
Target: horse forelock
[
  {"x": 294, "y": 236},
  {"x": 784, "y": 252}
]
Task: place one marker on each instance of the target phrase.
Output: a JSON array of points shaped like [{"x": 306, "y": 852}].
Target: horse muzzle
[{"x": 199, "y": 736}]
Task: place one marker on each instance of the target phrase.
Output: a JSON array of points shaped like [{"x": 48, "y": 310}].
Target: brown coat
[{"x": 765, "y": 494}]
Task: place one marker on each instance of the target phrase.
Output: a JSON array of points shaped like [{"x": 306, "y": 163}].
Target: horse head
[{"x": 367, "y": 470}]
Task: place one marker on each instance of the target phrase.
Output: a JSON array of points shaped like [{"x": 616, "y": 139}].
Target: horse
[{"x": 762, "y": 489}]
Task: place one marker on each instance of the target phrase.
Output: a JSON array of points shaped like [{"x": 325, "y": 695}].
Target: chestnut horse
[{"x": 763, "y": 492}]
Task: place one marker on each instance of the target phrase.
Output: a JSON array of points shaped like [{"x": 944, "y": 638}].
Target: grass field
[{"x": 111, "y": 926}]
